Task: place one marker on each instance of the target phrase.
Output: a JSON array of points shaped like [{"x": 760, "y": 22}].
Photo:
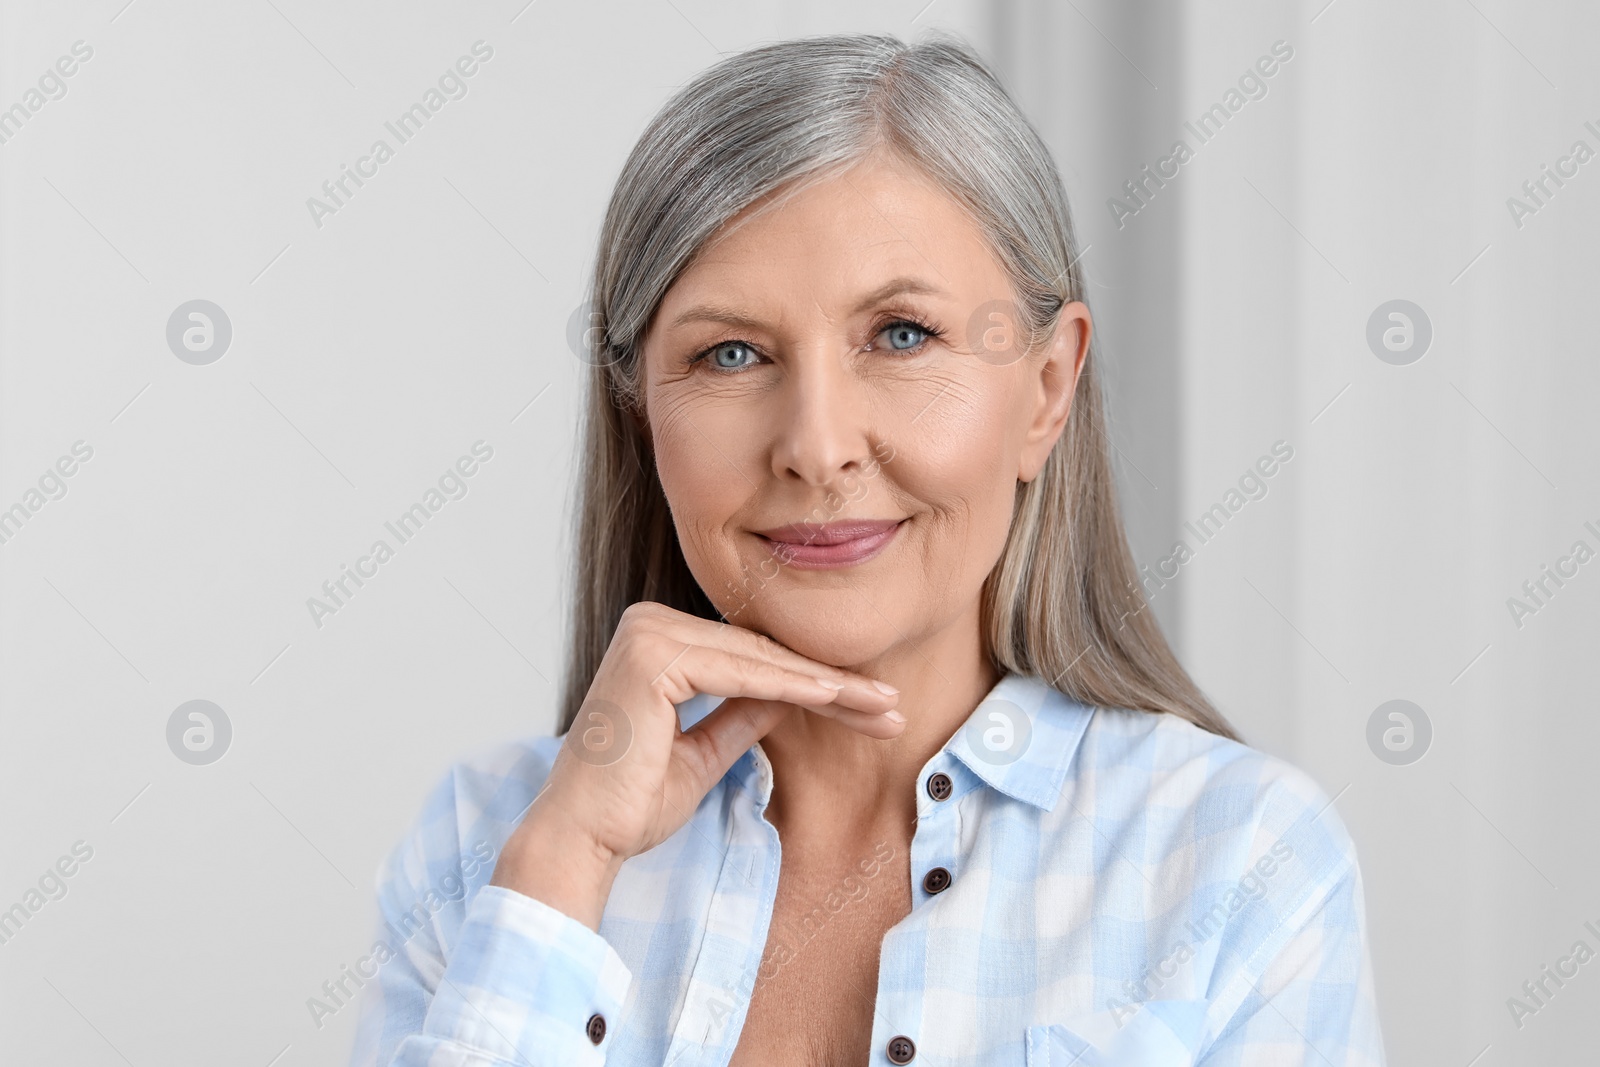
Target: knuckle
[
  {"x": 766, "y": 646},
  {"x": 637, "y": 628},
  {"x": 756, "y": 645},
  {"x": 633, "y": 615}
]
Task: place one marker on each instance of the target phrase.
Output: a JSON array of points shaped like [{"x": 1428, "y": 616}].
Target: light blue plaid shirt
[{"x": 1124, "y": 888}]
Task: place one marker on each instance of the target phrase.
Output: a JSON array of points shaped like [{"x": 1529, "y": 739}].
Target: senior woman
[{"x": 871, "y": 752}]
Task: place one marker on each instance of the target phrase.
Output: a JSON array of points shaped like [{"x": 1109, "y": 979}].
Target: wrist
[{"x": 554, "y": 861}]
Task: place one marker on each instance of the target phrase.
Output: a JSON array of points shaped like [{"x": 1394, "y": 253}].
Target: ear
[{"x": 1054, "y": 387}]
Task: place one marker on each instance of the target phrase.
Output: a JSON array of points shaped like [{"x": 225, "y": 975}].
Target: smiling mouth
[{"x": 816, "y": 546}]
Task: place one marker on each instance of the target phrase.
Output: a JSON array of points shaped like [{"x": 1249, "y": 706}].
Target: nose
[{"x": 822, "y": 428}]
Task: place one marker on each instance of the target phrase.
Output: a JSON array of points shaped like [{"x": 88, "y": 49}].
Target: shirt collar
[{"x": 1020, "y": 740}]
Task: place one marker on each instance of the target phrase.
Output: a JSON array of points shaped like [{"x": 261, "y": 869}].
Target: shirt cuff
[{"x": 528, "y": 984}]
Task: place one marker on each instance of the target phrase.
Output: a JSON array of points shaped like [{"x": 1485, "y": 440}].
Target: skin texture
[{"x": 810, "y": 409}]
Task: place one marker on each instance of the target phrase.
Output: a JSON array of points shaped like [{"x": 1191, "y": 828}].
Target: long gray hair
[{"x": 1064, "y": 602}]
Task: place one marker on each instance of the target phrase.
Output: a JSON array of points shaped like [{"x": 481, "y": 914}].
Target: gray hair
[{"x": 1064, "y": 602}]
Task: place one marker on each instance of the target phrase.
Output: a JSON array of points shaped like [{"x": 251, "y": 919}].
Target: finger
[
  {"x": 708, "y": 748},
  {"x": 882, "y": 725},
  {"x": 714, "y": 672},
  {"x": 870, "y": 700},
  {"x": 745, "y": 642}
]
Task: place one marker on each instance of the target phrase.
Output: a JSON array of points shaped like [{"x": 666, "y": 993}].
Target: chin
[{"x": 837, "y": 637}]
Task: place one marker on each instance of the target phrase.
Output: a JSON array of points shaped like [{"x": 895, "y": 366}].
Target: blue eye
[
  {"x": 905, "y": 335},
  {"x": 908, "y": 335},
  {"x": 721, "y": 353}
]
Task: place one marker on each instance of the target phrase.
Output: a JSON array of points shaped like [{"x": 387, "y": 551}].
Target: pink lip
[{"x": 822, "y": 545}]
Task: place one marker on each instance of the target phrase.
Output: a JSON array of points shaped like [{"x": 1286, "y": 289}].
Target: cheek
[
  {"x": 959, "y": 460},
  {"x": 960, "y": 454},
  {"x": 702, "y": 487}
]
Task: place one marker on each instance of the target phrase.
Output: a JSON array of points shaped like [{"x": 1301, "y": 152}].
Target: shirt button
[
  {"x": 935, "y": 881},
  {"x": 597, "y": 1028},
  {"x": 939, "y": 785},
  {"x": 901, "y": 1049}
]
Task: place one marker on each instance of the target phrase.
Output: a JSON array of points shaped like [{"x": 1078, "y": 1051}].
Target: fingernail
[
  {"x": 885, "y": 687},
  {"x": 828, "y": 683},
  {"x": 894, "y": 716}
]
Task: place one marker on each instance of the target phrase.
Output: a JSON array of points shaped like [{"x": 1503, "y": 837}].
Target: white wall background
[{"x": 430, "y": 313}]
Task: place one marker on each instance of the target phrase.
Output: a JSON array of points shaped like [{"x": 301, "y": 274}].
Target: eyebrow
[{"x": 724, "y": 314}]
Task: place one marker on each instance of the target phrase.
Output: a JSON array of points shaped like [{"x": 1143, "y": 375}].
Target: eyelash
[{"x": 934, "y": 332}]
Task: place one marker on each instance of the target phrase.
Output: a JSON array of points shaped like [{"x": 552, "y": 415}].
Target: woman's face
[{"x": 845, "y": 356}]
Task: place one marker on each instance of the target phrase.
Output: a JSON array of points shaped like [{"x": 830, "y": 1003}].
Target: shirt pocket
[{"x": 1159, "y": 1033}]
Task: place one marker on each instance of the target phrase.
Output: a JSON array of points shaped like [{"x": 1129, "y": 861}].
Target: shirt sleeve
[
  {"x": 491, "y": 978},
  {"x": 1313, "y": 1002},
  {"x": 1301, "y": 988}
]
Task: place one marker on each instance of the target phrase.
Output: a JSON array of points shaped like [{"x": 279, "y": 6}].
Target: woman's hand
[{"x": 627, "y": 777}]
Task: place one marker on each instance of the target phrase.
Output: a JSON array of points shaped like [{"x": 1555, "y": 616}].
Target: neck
[{"x": 831, "y": 780}]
